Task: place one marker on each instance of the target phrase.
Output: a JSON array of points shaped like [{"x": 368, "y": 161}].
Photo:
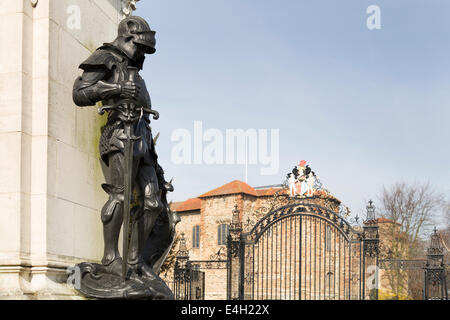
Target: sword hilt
[
  {"x": 131, "y": 138},
  {"x": 101, "y": 111},
  {"x": 153, "y": 112}
]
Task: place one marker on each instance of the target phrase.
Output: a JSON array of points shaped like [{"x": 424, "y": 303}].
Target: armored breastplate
[{"x": 119, "y": 73}]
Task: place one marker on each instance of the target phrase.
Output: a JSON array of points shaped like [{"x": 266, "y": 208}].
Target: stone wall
[
  {"x": 50, "y": 173},
  {"x": 188, "y": 221},
  {"x": 214, "y": 212},
  {"x": 393, "y": 282}
]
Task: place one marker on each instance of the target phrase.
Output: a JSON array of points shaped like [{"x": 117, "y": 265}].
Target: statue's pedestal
[
  {"x": 49, "y": 166},
  {"x": 98, "y": 283},
  {"x": 35, "y": 284}
]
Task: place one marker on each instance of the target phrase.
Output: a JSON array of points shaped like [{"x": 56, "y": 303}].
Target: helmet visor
[{"x": 147, "y": 40}]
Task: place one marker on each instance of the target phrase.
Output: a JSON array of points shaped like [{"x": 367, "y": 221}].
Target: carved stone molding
[{"x": 128, "y": 6}]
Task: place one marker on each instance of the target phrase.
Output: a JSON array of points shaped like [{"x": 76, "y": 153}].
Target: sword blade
[{"x": 128, "y": 174}]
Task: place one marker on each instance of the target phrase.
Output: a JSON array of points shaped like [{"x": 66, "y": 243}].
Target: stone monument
[
  {"x": 50, "y": 171},
  {"x": 127, "y": 149}
]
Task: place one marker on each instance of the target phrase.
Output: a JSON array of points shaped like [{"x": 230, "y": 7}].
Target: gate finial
[
  {"x": 183, "y": 253},
  {"x": 435, "y": 285},
  {"x": 370, "y": 211},
  {"x": 235, "y": 220}
]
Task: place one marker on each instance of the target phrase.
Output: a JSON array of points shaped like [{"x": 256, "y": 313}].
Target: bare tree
[
  {"x": 413, "y": 209},
  {"x": 445, "y": 234},
  {"x": 447, "y": 215}
]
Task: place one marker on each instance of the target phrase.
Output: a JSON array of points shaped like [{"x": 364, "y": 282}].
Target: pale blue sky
[{"x": 364, "y": 108}]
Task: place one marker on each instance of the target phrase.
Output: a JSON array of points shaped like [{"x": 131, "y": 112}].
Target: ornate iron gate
[
  {"x": 404, "y": 276},
  {"x": 421, "y": 278},
  {"x": 188, "y": 280},
  {"x": 435, "y": 286},
  {"x": 189, "y": 283},
  {"x": 301, "y": 251}
]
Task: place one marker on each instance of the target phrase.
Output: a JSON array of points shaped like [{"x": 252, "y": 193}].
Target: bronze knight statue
[{"x": 135, "y": 181}]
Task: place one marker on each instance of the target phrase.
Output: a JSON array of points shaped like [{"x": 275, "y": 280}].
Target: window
[
  {"x": 196, "y": 237},
  {"x": 222, "y": 234}
]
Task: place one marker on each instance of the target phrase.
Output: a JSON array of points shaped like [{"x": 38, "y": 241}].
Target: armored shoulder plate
[{"x": 101, "y": 58}]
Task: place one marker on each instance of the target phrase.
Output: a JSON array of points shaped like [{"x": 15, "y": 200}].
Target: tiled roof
[
  {"x": 234, "y": 187},
  {"x": 383, "y": 220},
  {"x": 188, "y": 205},
  {"x": 270, "y": 191}
]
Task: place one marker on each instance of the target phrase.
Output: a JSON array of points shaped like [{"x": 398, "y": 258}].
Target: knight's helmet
[{"x": 137, "y": 28}]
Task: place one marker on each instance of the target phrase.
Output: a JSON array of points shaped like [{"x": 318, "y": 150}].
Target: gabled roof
[
  {"x": 383, "y": 220},
  {"x": 193, "y": 204},
  {"x": 270, "y": 191},
  {"x": 386, "y": 220},
  {"x": 231, "y": 188},
  {"x": 234, "y": 187}
]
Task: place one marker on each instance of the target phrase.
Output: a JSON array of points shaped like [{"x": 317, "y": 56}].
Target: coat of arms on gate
[{"x": 302, "y": 182}]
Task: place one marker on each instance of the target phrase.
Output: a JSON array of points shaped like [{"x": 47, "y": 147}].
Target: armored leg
[
  {"x": 137, "y": 236},
  {"x": 144, "y": 219},
  {"x": 112, "y": 212},
  {"x": 151, "y": 192}
]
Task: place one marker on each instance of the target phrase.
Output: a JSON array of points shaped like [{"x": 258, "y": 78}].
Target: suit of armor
[{"x": 105, "y": 78}]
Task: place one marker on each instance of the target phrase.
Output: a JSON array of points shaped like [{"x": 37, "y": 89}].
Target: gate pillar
[
  {"x": 235, "y": 261},
  {"x": 181, "y": 277},
  {"x": 371, "y": 249},
  {"x": 435, "y": 283}
]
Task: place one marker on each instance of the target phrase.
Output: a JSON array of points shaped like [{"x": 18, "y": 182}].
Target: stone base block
[{"x": 35, "y": 283}]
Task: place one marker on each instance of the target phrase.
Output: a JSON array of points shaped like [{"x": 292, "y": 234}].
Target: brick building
[
  {"x": 204, "y": 218},
  {"x": 313, "y": 255},
  {"x": 205, "y": 221}
]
